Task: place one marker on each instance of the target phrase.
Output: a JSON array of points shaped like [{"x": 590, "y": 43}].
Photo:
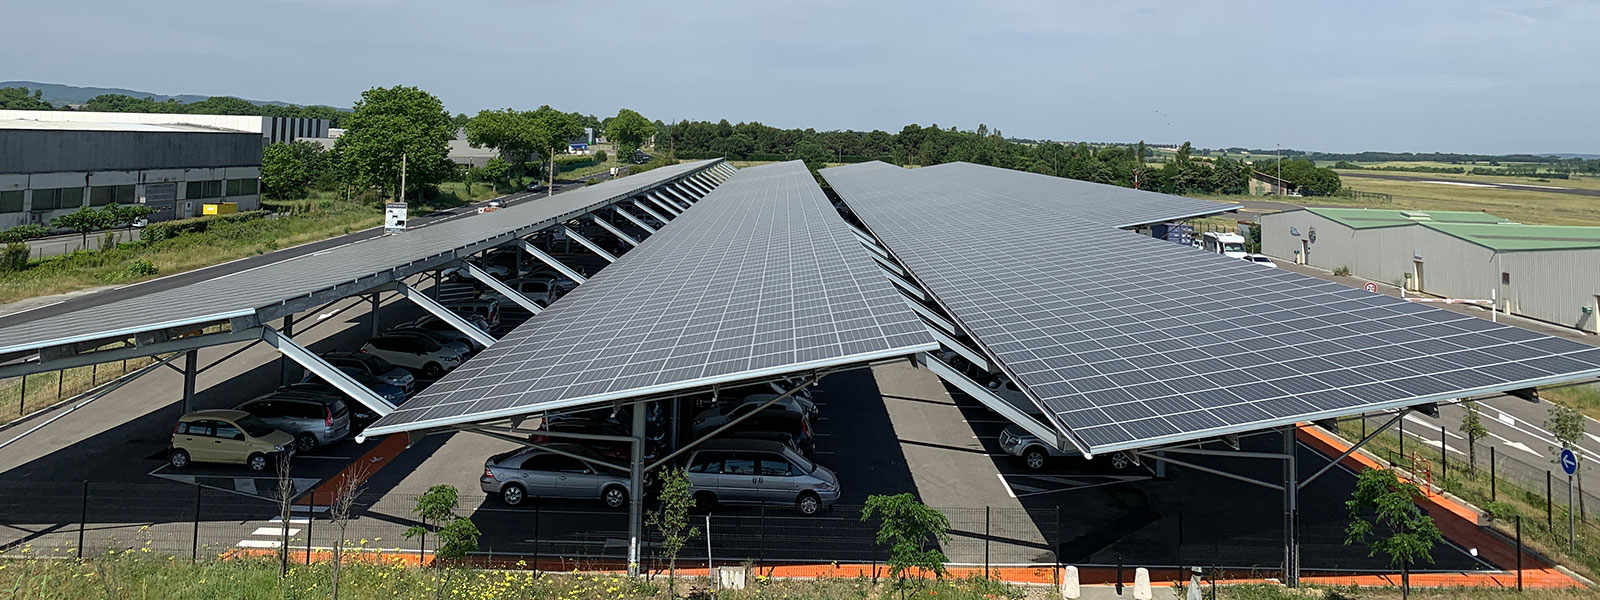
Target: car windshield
[
  {"x": 1232, "y": 247},
  {"x": 253, "y": 426},
  {"x": 800, "y": 461},
  {"x": 1261, "y": 259},
  {"x": 378, "y": 365}
]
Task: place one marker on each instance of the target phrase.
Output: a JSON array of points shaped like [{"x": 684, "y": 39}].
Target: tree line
[{"x": 19, "y": 98}]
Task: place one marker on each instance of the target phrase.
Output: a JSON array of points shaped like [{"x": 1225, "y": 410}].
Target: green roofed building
[{"x": 1545, "y": 272}]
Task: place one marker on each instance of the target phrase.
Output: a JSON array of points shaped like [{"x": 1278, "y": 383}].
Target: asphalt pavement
[{"x": 1553, "y": 187}]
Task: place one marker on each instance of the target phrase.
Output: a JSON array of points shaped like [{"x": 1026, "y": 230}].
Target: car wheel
[
  {"x": 1034, "y": 458},
  {"x": 809, "y": 503},
  {"x": 513, "y": 494},
  {"x": 305, "y": 443},
  {"x": 179, "y": 459},
  {"x": 1119, "y": 461},
  {"x": 432, "y": 370},
  {"x": 257, "y": 462},
  {"x": 615, "y": 496},
  {"x": 705, "y": 501}
]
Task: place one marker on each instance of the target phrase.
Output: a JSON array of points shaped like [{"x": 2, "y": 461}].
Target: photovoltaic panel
[
  {"x": 1127, "y": 341},
  {"x": 759, "y": 278},
  {"x": 241, "y": 294}
]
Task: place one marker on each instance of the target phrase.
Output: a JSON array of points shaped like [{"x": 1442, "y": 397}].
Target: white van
[{"x": 1230, "y": 245}]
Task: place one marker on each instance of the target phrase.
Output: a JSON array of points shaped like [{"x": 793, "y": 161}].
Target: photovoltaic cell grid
[
  {"x": 761, "y": 277},
  {"x": 293, "y": 278},
  {"x": 1130, "y": 342}
]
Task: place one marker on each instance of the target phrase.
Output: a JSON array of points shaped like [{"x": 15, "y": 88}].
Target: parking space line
[{"x": 1005, "y": 485}]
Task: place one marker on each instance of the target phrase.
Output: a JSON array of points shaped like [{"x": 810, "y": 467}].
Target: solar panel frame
[
  {"x": 759, "y": 278},
  {"x": 1078, "y": 319},
  {"x": 258, "y": 290}
]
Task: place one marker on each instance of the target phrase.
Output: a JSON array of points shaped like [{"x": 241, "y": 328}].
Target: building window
[
  {"x": 57, "y": 198},
  {"x": 204, "y": 189},
  {"x": 102, "y": 195},
  {"x": 242, "y": 187},
  {"x": 11, "y": 202}
]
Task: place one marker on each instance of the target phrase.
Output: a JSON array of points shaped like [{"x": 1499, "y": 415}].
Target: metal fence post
[
  {"x": 761, "y": 551},
  {"x": 1180, "y": 535},
  {"x": 986, "y": 515},
  {"x": 22, "y": 399},
  {"x": 1549, "y": 503},
  {"x": 83, "y": 517},
  {"x": 194, "y": 547},
  {"x": 538, "y": 507},
  {"x": 1519, "y": 553},
  {"x": 1444, "y": 456},
  {"x": 1492, "y": 491},
  {"x": 61, "y": 383},
  {"x": 311, "y": 517}
]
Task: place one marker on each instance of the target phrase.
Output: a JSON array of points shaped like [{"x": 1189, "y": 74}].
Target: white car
[
  {"x": 1261, "y": 259},
  {"x": 542, "y": 290},
  {"x": 425, "y": 357}
]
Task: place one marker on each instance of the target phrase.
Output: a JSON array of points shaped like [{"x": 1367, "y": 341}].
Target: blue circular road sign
[{"x": 1569, "y": 461}]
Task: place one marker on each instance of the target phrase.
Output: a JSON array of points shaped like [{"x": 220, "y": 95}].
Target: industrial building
[
  {"x": 271, "y": 129},
  {"x": 53, "y": 167},
  {"x": 1542, "y": 272}
]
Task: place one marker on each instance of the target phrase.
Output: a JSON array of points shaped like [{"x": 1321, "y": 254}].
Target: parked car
[
  {"x": 422, "y": 356},
  {"x": 774, "y": 418},
  {"x": 375, "y": 366},
  {"x": 361, "y": 415},
  {"x": 1261, "y": 259},
  {"x": 460, "y": 273},
  {"x": 621, "y": 419},
  {"x": 313, "y": 417},
  {"x": 769, "y": 436},
  {"x": 613, "y": 451},
  {"x": 729, "y": 410},
  {"x": 461, "y": 348},
  {"x": 487, "y": 308},
  {"x": 562, "y": 283},
  {"x": 440, "y": 326},
  {"x": 1036, "y": 454},
  {"x": 537, "y": 473},
  {"x": 226, "y": 436},
  {"x": 392, "y": 393},
  {"x": 758, "y": 472}
]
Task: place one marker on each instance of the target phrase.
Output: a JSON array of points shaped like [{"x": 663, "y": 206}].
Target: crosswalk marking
[{"x": 275, "y": 531}]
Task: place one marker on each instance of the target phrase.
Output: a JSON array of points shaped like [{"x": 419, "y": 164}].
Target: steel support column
[
  {"x": 705, "y": 185},
  {"x": 628, "y": 239},
  {"x": 445, "y": 314},
  {"x": 283, "y": 361},
  {"x": 633, "y": 219},
  {"x": 699, "y": 186},
  {"x": 376, "y": 304},
  {"x": 650, "y": 211},
  {"x": 685, "y": 193},
  {"x": 636, "y": 490},
  {"x": 551, "y": 260},
  {"x": 1291, "y": 511},
  {"x": 191, "y": 360},
  {"x": 504, "y": 290},
  {"x": 610, "y": 258},
  {"x": 665, "y": 205}
]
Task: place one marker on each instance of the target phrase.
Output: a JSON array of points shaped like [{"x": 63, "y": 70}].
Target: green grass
[
  {"x": 140, "y": 575},
  {"x": 1276, "y": 592},
  {"x": 1584, "y": 398}
]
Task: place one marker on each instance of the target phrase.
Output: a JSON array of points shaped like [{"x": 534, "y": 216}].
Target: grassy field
[{"x": 1523, "y": 206}]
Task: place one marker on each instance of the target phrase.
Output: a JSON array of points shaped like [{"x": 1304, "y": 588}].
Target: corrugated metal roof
[
  {"x": 1371, "y": 218},
  {"x": 1516, "y": 237},
  {"x": 88, "y": 126}
]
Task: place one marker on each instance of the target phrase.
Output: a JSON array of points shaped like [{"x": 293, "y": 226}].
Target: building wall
[
  {"x": 271, "y": 129},
  {"x": 1381, "y": 254},
  {"x": 55, "y": 151},
  {"x": 171, "y": 191},
  {"x": 1554, "y": 286}
]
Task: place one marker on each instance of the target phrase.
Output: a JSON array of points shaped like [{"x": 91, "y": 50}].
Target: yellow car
[{"x": 226, "y": 436}]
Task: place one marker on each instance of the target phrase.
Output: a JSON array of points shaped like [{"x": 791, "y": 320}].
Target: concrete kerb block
[
  {"x": 1069, "y": 584},
  {"x": 1141, "y": 584}
]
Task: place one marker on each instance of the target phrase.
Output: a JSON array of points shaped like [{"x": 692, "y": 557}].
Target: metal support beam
[
  {"x": 376, "y": 305},
  {"x": 636, "y": 490},
  {"x": 127, "y": 352},
  {"x": 1353, "y": 447},
  {"x": 1219, "y": 473},
  {"x": 1291, "y": 511},
  {"x": 610, "y": 258},
  {"x": 688, "y": 194},
  {"x": 444, "y": 314},
  {"x": 606, "y": 225},
  {"x": 329, "y": 373},
  {"x": 705, "y": 182},
  {"x": 873, "y": 247},
  {"x": 931, "y": 317},
  {"x": 665, "y": 205},
  {"x": 956, "y": 346},
  {"x": 543, "y": 447},
  {"x": 633, "y": 219},
  {"x": 888, "y": 264},
  {"x": 191, "y": 365},
  {"x": 95, "y": 394},
  {"x": 551, "y": 260},
  {"x": 907, "y": 286},
  {"x": 650, "y": 211},
  {"x": 283, "y": 361},
  {"x": 505, "y": 290},
  {"x": 1044, "y": 432},
  {"x": 813, "y": 379}
]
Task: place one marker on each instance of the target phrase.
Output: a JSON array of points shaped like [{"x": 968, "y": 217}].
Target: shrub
[
  {"x": 600, "y": 156},
  {"x": 166, "y": 230},
  {"x": 15, "y": 257},
  {"x": 141, "y": 268},
  {"x": 1342, "y": 271}
]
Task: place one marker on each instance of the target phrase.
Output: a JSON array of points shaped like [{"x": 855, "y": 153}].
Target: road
[
  {"x": 1526, "y": 187},
  {"x": 30, "y": 309}
]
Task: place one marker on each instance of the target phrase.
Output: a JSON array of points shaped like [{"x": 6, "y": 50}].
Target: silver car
[
  {"x": 536, "y": 473},
  {"x": 1036, "y": 454},
  {"x": 313, "y": 419},
  {"x": 759, "y": 472}
]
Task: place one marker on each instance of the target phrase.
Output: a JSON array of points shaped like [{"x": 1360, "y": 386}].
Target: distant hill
[
  {"x": 59, "y": 94},
  {"x": 1570, "y": 155}
]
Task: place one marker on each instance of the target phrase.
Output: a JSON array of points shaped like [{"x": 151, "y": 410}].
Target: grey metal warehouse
[{"x": 1542, "y": 272}]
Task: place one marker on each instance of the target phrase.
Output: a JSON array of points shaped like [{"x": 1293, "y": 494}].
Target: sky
[{"x": 1418, "y": 76}]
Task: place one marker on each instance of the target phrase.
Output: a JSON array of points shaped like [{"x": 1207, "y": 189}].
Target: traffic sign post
[{"x": 1569, "y": 463}]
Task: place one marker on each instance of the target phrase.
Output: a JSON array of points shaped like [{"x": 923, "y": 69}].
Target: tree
[
  {"x": 912, "y": 531},
  {"x": 22, "y": 233},
  {"x": 126, "y": 103},
  {"x": 600, "y": 157},
  {"x": 1566, "y": 424},
  {"x": 1411, "y": 535},
  {"x": 340, "y": 510},
  {"x": 454, "y": 537},
  {"x": 288, "y": 168},
  {"x": 84, "y": 221},
  {"x": 814, "y": 155},
  {"x": 391, "y": 123},
  {"x": 18, "y": 98},
  {"x": 126, "y": 215},
  {"x": 1472, "y": 427},
  {"x": 629, "y": 130},
  {"x": 672, "y": 520},
  {"x": 494, "y": 170}
]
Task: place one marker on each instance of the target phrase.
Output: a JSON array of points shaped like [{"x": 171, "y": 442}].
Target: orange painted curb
[
  {"x": 366, "y": 466},
  {"x": 1456, "y": 521}
]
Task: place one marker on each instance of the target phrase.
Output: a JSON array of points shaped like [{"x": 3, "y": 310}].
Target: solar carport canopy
[
  {"x": 1130, "y": 342},
  {"x": 260, "y": 293},
  {"x": 759, "y": 278}
]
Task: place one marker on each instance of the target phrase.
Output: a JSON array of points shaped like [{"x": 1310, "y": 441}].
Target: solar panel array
[
  {"x": 293, "y": 278},
  {"x": 1129, "y": 342},
  {"x": 760, "y": 277}
]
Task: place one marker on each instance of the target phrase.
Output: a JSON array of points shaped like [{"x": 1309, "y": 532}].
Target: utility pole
[
  {"x": 550, "y": 190},
  {"x": 402, "y": 177},
  {"x": 1278, "y": 152}
]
